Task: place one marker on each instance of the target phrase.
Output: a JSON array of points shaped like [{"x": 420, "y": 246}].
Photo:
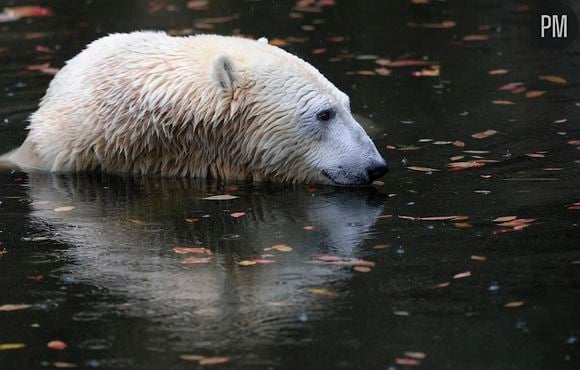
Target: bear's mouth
[{"x": 357, "y": 181}]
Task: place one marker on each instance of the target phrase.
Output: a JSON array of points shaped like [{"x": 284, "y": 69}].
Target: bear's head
[{"x": 293, "y": 124}]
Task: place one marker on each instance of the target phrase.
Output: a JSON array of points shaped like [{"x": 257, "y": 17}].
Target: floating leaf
[
  {"x": 443, "y": 285},
  {"x": 14, "y": 307},
  {"x": 431, "y": 218},
  {"x": 136, "y": 222},
  {"x": 194, "y": 250},
  {"x": 478, "y": 37},
  {"x": 401, "y": 63},
  {"x": 63, "y": 365},
  {"x": 198, "y": 4},
  {"x": 237, "y": 214},
  {"x": 383, "y": 71},
  {"x": 479, "y": 258},
  {"x": 57, "y": 345},
  {"x": 553, "y": 79},
  {"x": 442, "y": 25},
  {"x": 362, "y": 268},
  {"x": 64, "y": 209},
  {"x": 484, "y": 134},
  {"x": 221, "y": 197},
  {"x": 503, "y": 102},
  {"x": 422, "y": 169},
  {"x": 401, "y": 313},
  {"x": 217, "y": 360},
  {"x": 407, "y": 361},
  {"x": 308, "y": 228},
  {"x": 462, "y": 275},
  {"x": 196, "y": 260},
  {"x": 7, "y": 346},
  {"x": 415, "y": 355},
  {"x": 534, "y": 93},
  {"x": 247, "y": 263},
  {"x": 459, "y": 144},
  {"x": 511, "y": 86},
  {"x": 505, "y": 218},
  {"x": 281, "y": 248},
  {"x": 458, "y": 166},
  {"x": 514, "y": 304},
  {"x": 322, "y": 292},
  {"x": 494, "y": 72}
]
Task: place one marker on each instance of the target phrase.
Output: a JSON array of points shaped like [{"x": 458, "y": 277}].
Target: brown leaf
[
  {"x": 194, "y": 250},
  {"x": 458, "y": 166},
  {"x": 401, "y": 63},
  {"x": 57, "y": 345},
  {"x": 503, "y": 102},
  {"x": 534, "y": 93},
  {"x": 281, "y": 248},
  {"x": 415, "y": 355},
  {"x": 238, "y": 214},
  {"x": 14, "y": 307},
  {"x": 484, "y": 134},
  {"x": 459, "y": 144},
  {"x": 494, "y": 72},
  {"x": 478, "y": 37}
]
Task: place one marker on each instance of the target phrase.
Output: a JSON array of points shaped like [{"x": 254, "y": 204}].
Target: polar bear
[{"x": 200, "y": 106}]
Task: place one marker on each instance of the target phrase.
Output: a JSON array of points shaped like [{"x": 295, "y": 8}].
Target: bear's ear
[{"x": 222, "y": 73}]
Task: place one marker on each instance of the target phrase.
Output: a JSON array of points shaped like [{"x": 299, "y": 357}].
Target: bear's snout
[{"x": 377, "y": 170}]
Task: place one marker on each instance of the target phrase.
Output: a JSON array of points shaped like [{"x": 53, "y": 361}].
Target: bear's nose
[{"x": 377, "y": 170}]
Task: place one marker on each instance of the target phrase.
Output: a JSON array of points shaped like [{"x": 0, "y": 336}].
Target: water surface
[{"x": 104, "y": 276}]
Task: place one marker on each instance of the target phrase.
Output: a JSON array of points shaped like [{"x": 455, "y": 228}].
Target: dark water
[{"x": 104, "y": 278}]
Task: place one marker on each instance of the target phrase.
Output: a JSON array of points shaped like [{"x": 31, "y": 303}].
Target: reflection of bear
[
  {"x": 148, "y": 103},
  {"x": 137, "y": 264}
]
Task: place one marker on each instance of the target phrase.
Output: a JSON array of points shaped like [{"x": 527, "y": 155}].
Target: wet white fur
[{"x": 206, "y": 105}]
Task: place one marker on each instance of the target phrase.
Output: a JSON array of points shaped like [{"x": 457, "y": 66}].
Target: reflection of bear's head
[{"x": 297, "y": 126}]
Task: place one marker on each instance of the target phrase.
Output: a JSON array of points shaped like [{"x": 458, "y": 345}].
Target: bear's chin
[{"x": 354, "y": 181}]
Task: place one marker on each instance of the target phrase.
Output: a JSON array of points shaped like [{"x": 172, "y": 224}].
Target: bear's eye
[{"x": 325, "y": 115}]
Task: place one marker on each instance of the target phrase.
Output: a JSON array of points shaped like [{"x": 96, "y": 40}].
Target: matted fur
[{"x": 206, "y": 105}]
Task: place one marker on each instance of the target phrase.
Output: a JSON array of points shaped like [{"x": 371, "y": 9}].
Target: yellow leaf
[
  {"x": 246, "y": 263},
  {"x": 553, "y": 79},
  {"x": 64, "y": 209},
  {"x": 323, "y": 292},
  {"x": 6, "y": 346}
]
